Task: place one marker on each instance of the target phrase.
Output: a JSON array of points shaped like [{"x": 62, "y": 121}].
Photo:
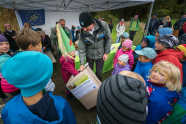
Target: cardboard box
[{"x": 84, "y": 87}]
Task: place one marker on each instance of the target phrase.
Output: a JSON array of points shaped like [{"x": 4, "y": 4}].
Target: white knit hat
[{"x": 124, "y": 58}]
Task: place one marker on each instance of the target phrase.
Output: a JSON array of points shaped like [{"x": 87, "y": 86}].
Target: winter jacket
[
  {"x": 8, "y": 35},
  {"x": 135, "y": 23},
  {"x": 120, "y": 52},
  {"x": 163, "y": 31},
  {"x": 182, "y": 39},
  {"x": 16, "y": 111},
  {"x": 73, "y": 37},
  {"x": 46, "y": 42},
  {"x": 54, "y": 38},
  {"x": 143, "y": 69},
  {"x": 118, "y": 68},
  {"x": 96, "y": 45},
  {"x": 159, "y": 103},
  {"x": 178, "y": 115},
  {"x": 179, "y": 25},
  {"x": 168, "y": 24},
  {"x": 120, "y": 29},
  {"x": 184, "y": 72},
  {"x": 153, "y": 25},
  {"x": 67, "y": 68},
  {"x": 151, "y": 42},
  {"x": 171, "y": 56}
]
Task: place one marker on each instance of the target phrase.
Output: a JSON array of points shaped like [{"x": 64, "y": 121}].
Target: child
[
  {"x": 122, "y": 98},
  {"x": 32, "y": 106},
  {"x": 124, "y": 37},
  {"x": 162, "y": 90},
  {"x": 5, "y": 86},
  {"x": 126, "y": 49},
  {"x": 147, "y": 41},
  {"x": 183, "y": 61},
  {"x": 29, "y": 40},
  {"x": 146, "y": 55},
  {"x": 164, "y": 47},
  {"x": 122, "y": 64}
]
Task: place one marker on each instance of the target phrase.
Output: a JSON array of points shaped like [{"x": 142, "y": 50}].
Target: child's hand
[{"x": 81, "y": 68}]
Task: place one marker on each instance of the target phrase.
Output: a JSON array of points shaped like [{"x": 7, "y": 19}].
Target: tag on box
[{"x": 84, "y": 87}]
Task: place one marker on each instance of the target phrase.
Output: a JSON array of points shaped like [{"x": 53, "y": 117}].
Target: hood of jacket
[
  {"x": 163, "y": 31},
  {"x": 172, "y": 52},
  {"x": 62, "y": 59}
]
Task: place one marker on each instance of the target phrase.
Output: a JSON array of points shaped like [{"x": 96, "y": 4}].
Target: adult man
[
  {"x": 120, "y": 28},
  {"x": 179, "y": 25},
  {"x": 94, "y": 42},
  {"x": 54, "y": 38},
  {"x": 153, "y": 25},
  {"x": 134, "y": 26}
]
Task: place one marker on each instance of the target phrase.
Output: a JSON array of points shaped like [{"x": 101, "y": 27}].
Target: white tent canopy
[{"x": 67, "y": 9}]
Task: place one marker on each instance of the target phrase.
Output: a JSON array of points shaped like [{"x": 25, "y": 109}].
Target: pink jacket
[
  {"x": 6, "y": 87},
  {"x": 67, "y": 68},
  {"x": 120, "y": 52}
]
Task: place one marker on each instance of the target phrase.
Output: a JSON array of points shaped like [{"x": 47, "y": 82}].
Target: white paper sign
[{"x": 82, "y": 86}]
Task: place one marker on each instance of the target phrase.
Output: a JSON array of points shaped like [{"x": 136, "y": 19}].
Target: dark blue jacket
[
  {"x": 158, "y": 105},
  {"x": 143, "y": 69},
  {"x": 154, "y": 24},
  {"x": 184, "y": 72},
  {"x": 73, "y": 36},
  {"x": 15, "y": 111}
]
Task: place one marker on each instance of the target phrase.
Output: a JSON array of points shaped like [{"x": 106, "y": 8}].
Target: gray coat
[
  {"x": 96, "y": 45},
  {"x": 54, "y": 38}
]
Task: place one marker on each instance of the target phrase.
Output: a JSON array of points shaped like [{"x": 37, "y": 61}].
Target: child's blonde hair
[
  {"x": 173, "y": 82},
  {"x": 133, "y": 75}
]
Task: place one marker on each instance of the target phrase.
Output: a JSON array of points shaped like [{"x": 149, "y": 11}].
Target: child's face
[
  {"x": 157, "y": 35},
  {"x": 159, "y": 46},
  {"x": 72, "y": 53},
  {"x": 43, "y": 34},
  {"x": 121, "y": 63},
  {"x": 8, "y": 27},
  {"x": 159, "y": 75},
  {"x": 125, "y": 48},
  {"x": 144, "y": 44},
  {"x": 123, "y": 39},
  {"x": 143, "y": 59},
  {"x": 34, "y": 48},
  {"x": 4, "y": 47}
]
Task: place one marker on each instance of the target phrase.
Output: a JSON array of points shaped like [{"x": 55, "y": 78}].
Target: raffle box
[{"x": 84, "y": 87}]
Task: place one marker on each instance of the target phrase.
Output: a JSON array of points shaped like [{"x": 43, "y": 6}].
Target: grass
[{"x": 137, "y": 38}]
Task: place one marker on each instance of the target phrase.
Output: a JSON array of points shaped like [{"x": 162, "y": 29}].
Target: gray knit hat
[
  {"x": 168, "y": 41},
  {"x": 124, "y": 58},
  {"x": 122, "y": 100}
]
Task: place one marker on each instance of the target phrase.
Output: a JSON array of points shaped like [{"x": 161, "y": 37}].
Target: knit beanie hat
[
  {"x": 122, "y": 99},
  {"x": 85, "y": 19},
  {"x": 124, "y": 58},
  {"x": 42, "y": 32},
  {"x": 29, "y": 71},
  {"x": 78, "y": 27},
  {"x": 182, "y": 47},
  {"x": 2, "y": 38},
  {"x": 125, "y": 35},
  {"x": 155, "y": 14},
  {"x": 136, "y": 16},
  {"x": 184, "y": 27},
  {"x": 73, "y": 27},
  {"x": 122, "y": 19},
  {"x": 127, "y": 43},
  {"x": 146, "y": 40},
  {"x": 5, "y": 25},
  {"x": 168, "y": 41}
]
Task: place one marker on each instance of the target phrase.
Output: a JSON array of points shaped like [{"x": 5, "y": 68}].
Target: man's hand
[
  {"x": 44, "y": 48},
  {"x": 105, "y": 56},
  {"x": 81, "y": 68}
]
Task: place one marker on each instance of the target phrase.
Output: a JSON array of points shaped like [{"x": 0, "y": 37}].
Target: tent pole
[{"x": 150, "y": 12}]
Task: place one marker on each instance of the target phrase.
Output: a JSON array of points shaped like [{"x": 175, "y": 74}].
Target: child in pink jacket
[{"x": 126, "y": 49}]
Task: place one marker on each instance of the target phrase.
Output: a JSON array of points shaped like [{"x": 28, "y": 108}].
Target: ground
[{"x": 82, "y": 115}]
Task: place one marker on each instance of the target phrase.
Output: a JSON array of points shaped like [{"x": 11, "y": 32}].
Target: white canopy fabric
[{"x": 67, "y": 9}]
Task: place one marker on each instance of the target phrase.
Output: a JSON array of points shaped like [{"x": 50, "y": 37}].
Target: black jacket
[
  {"x": 8, "y": 35},
  {"x": 178, "y": 25},
  {"x": 169, "y": 24},
  {"x": 182, "y": 39},
  {"x": 46, "y": 42},
  {"x": 77, "y": 35}
]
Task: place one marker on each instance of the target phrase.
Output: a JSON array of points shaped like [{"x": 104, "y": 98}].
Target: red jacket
[
  {"x": 67, "y": 68},
  {"x": 171, "y": 56}
]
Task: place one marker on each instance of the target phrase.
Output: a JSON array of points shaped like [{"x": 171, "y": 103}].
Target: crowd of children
[{"x": 150, "y": 94}]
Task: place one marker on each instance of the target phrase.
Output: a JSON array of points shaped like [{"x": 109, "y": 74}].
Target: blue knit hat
[
  {"x": 29, "y": 71},
  {"x": 78, "y": 27}
]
